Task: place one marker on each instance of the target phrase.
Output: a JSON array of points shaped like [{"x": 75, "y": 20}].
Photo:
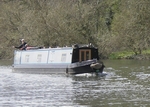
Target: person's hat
[{"x": 22, "y": 40}]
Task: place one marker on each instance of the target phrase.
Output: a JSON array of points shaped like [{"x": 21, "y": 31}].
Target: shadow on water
[{"x": 125, "y": 85}]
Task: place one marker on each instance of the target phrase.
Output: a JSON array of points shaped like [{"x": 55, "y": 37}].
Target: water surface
[{"x": 125, "y": 85}]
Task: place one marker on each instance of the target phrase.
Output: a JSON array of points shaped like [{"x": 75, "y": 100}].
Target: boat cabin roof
[
  {"x": 76, "y": 53},
  {"x": 76, "y": 46}
]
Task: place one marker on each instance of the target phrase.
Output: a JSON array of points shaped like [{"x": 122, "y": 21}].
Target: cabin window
[
  {"x": 39, "y": 58},
  {"x": 27, "y": 58},
  {"x": 87, "y": 55},
  {"x": 63, "y": 58},
  {"x": 84, "y": 54}
]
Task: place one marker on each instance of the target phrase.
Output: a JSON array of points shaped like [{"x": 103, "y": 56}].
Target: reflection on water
[{"x": 125, "y": 85}]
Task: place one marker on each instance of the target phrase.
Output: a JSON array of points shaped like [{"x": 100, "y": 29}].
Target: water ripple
[{"x": 117, "y": 89}]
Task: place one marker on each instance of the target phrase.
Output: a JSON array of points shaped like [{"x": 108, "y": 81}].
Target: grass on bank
[
  {"x": 127, "y": 54},
  {"x": 120, "y": 55},
  {"x": 147, "y": 52}
]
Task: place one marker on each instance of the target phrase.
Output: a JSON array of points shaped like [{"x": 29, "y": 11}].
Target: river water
[{"x": 125, "y": 85}]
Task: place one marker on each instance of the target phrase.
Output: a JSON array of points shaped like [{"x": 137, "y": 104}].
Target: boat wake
[{"x": 91, "y": 74}]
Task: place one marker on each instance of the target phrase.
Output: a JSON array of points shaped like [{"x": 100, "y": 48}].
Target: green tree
[{"x": 131, "y": 25}]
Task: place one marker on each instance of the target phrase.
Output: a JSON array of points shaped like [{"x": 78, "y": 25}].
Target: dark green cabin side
[{"x": 83, "y": 53}]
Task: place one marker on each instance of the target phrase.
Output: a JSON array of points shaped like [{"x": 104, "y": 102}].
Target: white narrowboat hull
[
  {"x": 68, "y": 60},
  {"x": 40, "y": 68},
  {"x": 74, "y": 68}
]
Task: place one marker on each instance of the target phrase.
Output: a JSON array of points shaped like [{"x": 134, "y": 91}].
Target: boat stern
[{"x": 85, "y": 67}]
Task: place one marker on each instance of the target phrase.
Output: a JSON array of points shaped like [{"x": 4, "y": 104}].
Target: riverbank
[{"x": 130, "y": 55}]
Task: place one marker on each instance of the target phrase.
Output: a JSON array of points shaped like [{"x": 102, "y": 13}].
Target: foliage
[
  {"x": 129, "y": 55},
  {"x": 111, "y": 25},
  {"x": 121, "y": 55},
  {"x": 146, "y": 52}
]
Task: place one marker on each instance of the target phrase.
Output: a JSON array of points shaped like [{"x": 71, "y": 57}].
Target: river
[{"x": 125, "y": 85}]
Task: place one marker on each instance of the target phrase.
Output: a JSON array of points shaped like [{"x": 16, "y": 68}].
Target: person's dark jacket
[{"x": 22, "y": 46}]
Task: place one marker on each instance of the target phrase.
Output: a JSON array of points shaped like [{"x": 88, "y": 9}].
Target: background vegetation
[{"x": 111, "y": 25}]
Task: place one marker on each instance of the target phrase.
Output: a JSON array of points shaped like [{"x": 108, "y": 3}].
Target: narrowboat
[{"x": 76, "y": 59}]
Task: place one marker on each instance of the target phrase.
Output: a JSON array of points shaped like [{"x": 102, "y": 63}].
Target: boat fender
[{"x": 96, "y": 66}]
